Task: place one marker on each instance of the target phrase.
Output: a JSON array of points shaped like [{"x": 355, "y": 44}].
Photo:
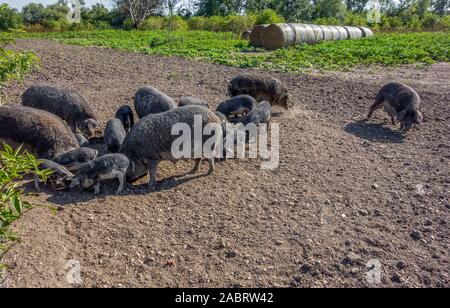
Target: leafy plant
[
  {"x": 14, "y": 166},
  {"x": 13, "y": 65},
  {"x": 222, "y": 48}
]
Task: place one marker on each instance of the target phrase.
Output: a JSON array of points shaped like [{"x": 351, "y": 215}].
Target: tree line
[{"x": 230, "y": 15}]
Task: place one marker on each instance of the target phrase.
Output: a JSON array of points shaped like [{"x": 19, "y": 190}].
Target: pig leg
[
  {"x": 379, "y": 103},
  {"x": 153, "y": 170},
  {"x": 36, "y": 183},
  {"x": 196, "y": 166},
  {"x": 97, "y": 188},
  {"x": 122, "y": 180},
  {"x": 392, "y": 112},
  {"x": 53, "y": 187},
  {"x": 211, "y": 166}
]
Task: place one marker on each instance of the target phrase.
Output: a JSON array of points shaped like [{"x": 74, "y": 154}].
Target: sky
[{"x": 18, "y": 4}]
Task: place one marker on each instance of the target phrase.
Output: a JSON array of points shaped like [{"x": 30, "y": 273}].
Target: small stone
[
  {"x": 363, "y": 212},
  {"x": 279, "y": 242},
  {"x": 375, "y": 186},
  {"x": 231, "y": 254},
  {"x": 416, "y": 235},
  {"x": 352, "y": 259},
  {"x": 191, "y": 231},
  {"x": 396, "y": 278},
  {"x": 402, "y": 264},
  {"x": 428, "y": 222},
  {"x": 149, "y": 260},
  {"x": 306, "y": 268}
]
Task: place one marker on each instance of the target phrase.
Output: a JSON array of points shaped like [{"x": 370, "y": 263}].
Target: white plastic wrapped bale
[{"x": 354, "y": 32}]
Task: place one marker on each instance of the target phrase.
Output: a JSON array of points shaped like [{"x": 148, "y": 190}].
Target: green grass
[{"x": 223, "y": 48}]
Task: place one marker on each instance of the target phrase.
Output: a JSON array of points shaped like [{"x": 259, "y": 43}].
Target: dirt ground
[{"x": 347, "y": 194}]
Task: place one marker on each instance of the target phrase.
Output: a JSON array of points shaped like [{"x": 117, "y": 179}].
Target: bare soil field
[{"x": 347, "y": 193}]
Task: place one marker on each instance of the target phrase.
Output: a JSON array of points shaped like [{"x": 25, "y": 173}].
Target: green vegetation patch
[{"x": 223, "y": 48}]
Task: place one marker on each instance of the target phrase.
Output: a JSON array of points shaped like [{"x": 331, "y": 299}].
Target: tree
[
  {"x": 441, "y": 7},
  {"x": 33, "y": 13},
  {"x": 422, "y": 7},
  {"x": 330, "y": 8},
  {"x": 356, "y": 6},
  {"x": 255, "y": 6},
  {"x": 219, "y": 8},
  {"x": 9, "y": 18},
  {"x": 210, "y": 8},
  {"x": 98, "y": 13},
  {"x": 295, "y": 10},
  {"x": 138, "y": 10}
]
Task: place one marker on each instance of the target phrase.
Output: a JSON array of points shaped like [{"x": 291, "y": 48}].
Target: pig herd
[{"x": 56, "y": 125}]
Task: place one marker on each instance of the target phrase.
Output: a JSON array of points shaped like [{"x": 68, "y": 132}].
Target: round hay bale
[
  {"x": 246, "y": 34},
  {"x": 278, "y": 36},
  {"x": 354, "y": 32},
  {"x": 343, "y": 34},
  {"x": 255, "y": 35},
  {"x": 304, "y": 34},
  {"x": 327, "y": 33},
  {"x": 318, "y": 33},
  {"x": 366, "y": 32}
]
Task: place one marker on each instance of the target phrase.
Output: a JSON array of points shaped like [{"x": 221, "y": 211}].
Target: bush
[
  {"x": 216, "y": 24},
  {"x": 14, "y": 166},
  {"x": 153, "y": 23},
  {"x": 13, "y": 65},
  {"x": 9, "y": 18},
  {"x": 238, "y": 24},
  {"x": 351, "y": 19},
  {"x": 328, "y": 21},
  {"x": 35, "y": 28},
  {"x": 56, "y": 25},
  {"x": 176, "y": 23},
  {"x": 196, "y": 23},
  {"x": 430, "y": 21},
  {"x": 268, "y": 16},
  {"x": 414, "y": 23},
  {"x": 128, "y": 24}
]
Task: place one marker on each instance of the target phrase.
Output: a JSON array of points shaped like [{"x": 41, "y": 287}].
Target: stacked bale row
[{"x": 284, "y": 35}]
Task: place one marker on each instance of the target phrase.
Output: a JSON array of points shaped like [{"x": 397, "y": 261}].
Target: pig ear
[
  {"x": 402, "y": 115},
  {"x": 418, "y": 117}
]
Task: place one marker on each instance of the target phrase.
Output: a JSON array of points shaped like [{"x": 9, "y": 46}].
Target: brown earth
[{"x": 346, "y": 192}]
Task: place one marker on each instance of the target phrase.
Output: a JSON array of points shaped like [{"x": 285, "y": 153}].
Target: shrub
[
  {"x": 35, "y": 28},
  {"x": 128, "y": 24},
  {"x": 196, "y": 23},
  {"x": 351, "y": 19},
  {"x": 268, "y": 16},
  {"x": 328, "y": 21},
  {"x": 176, "y": 23},
  {"x": 153, "y": 23},
  {"x": 9, "y": 18},
  {"x": 238, "y": 23},
  {"x": 56, "y": 25},
  {"x": 414, "y": 23},
  {"x": 430, "y": 21},
  {"x": 216, "y": 24},
  {"x": 14, "y": 166},
  {"x": 13, "y": 65}
]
